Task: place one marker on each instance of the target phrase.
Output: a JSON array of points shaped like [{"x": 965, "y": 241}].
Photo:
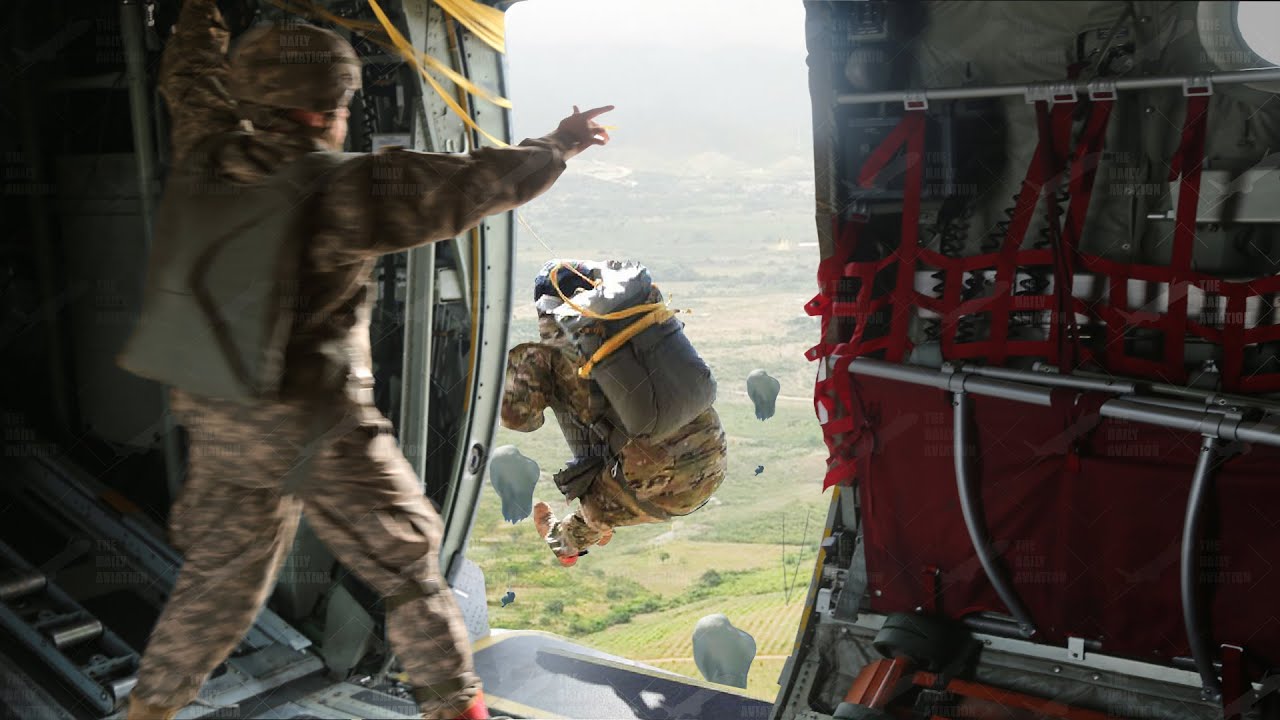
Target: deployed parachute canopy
[
  {"x": 722, "y": 652},
  {"x": 513, "y": 475},
  {"x": 763, "y": 391}
]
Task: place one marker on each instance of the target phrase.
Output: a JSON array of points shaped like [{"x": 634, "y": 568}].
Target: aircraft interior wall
[{"x": 977, "y": 153}]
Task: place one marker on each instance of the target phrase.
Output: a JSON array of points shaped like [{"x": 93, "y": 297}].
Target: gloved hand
[{"x": 579, "y": 131}]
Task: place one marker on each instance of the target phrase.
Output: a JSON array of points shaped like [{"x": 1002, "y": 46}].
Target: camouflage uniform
[
  {"x": 235, "y": 520},
  {"x": 677, "y": 475}
]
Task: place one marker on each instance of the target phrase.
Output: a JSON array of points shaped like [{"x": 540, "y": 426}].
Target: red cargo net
[{"x": 1053, "y": 156}]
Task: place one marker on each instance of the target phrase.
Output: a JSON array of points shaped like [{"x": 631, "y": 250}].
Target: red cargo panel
[{"x": 1091, "y": 543}]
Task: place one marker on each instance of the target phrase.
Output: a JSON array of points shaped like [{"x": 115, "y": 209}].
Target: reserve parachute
[
  {"x": 635, "y": 349},
  {"x": 217, "y": 306}
]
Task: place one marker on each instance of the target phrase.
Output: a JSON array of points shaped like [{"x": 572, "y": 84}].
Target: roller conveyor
[{"x": 100, "y": 666}]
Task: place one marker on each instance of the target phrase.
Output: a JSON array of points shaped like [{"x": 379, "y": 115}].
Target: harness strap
[
  {"x": 614, "y": 441},
  {"x": 1186, "y": 165}
]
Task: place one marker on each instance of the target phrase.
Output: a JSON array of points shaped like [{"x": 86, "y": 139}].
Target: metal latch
[
  {"x": 1075, "y": 648},
  {"x": 1100, "y": 89},
  {"x": 1197, "y": 86},
  {"x": 1060, "y": 92}
]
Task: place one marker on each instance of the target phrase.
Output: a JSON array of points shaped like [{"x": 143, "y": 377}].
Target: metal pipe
[
  {"x": 1187, "y": 663},
  {"x": 136, "y": 72},
  {"x": 131, "y": 24},
  {"x": 955, "y": 381},
  {"x": 1221, "y": 400},
  {"x": 1081, "y": 86},
  {"x": 1008, "y": 628},
  {"x": 24, "y": 584},
  {"x": 1191, "y": 607},
  {"x": 1196, "y": 421},
  {"x": 1184, "y": 405},
  {"x": 1261, "y": 432},
  {"x": 419, "y": 340},
  {"x": 1052, "y": 379},
  {"x": 1100, "y": 383},
  {"x": 76, "y": 633},
  {"x": 970, "y": 503},
  {"x": 1201, "y": 421},
  {"x": 993, "y": 626}
]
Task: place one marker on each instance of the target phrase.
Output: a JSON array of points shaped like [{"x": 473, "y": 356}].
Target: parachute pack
[
  {"x": 216, "y": 310},
  {"x": 635, "y": 349}
]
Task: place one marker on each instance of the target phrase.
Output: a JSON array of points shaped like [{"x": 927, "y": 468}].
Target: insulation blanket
[{"x": 1091, "y": 540}]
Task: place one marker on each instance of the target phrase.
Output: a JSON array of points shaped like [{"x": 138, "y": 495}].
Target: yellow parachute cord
[
  {"x": 407, "y": 51},
  {"x": 417, "y": 58},
  {"x": 654, "y": 313},
  {"x": 660, "y": 315},
  {"x": 484, "y": 22}
]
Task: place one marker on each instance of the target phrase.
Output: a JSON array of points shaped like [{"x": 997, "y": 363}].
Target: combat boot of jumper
[
  {"x": 544, "y": 520},
  {"x": 477, "y": 710}
]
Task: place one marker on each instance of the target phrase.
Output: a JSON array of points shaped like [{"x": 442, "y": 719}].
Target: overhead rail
[
  {"x": 1066, "y": 90},
  {"x": 1030, "y": 389}
]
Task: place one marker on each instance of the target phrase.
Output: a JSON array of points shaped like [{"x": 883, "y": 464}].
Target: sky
[
  {"x": 725, "y": 79},
  {"x": 657, "y": 23}
]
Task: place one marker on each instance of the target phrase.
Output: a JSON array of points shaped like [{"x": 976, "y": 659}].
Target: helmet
[
  {"x": 294, "y": 65},
  {"x": 570, "y": 282}
]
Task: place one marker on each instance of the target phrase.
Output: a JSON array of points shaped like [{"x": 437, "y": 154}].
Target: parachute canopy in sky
[
  {"x": 722, "y": 652},
  {"x": 513, "y": 476},
  {"x": 763, "y": 391}
]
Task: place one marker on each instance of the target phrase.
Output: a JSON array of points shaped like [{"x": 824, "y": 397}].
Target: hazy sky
[
  {"x": 722, "y": 78},
  {"x": 650, "y": 23}
]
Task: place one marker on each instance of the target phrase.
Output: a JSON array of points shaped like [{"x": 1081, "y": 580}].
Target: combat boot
[
  {"x": 477, "y": 710},
  {"x": 142, "y": 711},
  {"x": 544, "y": 520}
]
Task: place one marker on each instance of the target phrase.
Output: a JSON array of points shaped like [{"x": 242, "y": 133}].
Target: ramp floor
[{"x": 534, "y": 674}]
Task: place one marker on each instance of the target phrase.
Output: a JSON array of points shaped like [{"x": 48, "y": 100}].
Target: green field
[{"x": 748, "y": 554}]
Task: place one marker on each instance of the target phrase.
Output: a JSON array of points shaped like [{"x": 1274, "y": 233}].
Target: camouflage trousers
[
  {"x": 678, "y": 488},
  {"x": 235, "y": 521}
]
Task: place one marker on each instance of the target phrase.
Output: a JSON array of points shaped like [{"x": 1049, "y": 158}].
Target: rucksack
[
  {"x": 221, "y": 281},
  {"x": 636, "y": 353}
]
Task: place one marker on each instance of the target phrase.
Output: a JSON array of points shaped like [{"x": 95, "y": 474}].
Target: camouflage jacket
[
  {"x": 677, "y": 474},
  {"x": 373, "y": 204}
]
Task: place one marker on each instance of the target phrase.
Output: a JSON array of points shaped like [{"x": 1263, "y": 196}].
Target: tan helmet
[{"x": 293, "y": 64}]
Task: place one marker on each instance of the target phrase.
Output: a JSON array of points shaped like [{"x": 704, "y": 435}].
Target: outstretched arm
[
  {"x": 527, "y": 392},
  {"x": 193, "y": 77},
  {"x": 400, "y": 199}
]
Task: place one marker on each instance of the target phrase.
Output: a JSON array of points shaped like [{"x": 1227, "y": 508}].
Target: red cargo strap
[
  {"x": 910, "y": 245},
  {"x": 1045, "y": 163},
  {"x": 1084, "y": 170},
  {"x": 1187, "y": 164},
  {"x": 849, "y": 446},
  {"x": 1080, "y": 414}
]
